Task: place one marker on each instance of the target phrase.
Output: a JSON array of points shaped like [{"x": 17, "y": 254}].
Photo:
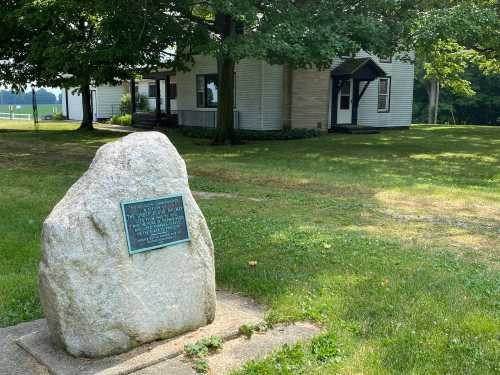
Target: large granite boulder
[{"x": 98, "y": 299}]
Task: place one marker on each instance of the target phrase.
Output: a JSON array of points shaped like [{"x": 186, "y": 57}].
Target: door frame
[{"x": 351, "y": 102}]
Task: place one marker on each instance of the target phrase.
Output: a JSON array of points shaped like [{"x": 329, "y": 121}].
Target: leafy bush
[
  {"x": 116, "y": 119},
  {"x": 125, "y": 120},
  {"x": 254, "y": 135},
  {"x": 58, "y": 116},
  {"x": 142, "y": 103}
]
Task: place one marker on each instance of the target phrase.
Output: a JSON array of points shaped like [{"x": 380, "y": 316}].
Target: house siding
[
  {"x": 108, "y": 100},
  {"x": 258, "y": 93},
  {"x": 272, "y": 96},
  {"x": 310, "y": 98}
]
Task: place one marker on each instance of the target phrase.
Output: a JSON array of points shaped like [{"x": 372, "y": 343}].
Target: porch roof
[
  {"x": 363, "y": 69},
  {"x": 159, "y": 74}
]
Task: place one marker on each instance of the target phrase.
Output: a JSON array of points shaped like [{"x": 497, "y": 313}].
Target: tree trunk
[
  {"x": 436, "y": 104},
  {"x": 225, "y": 133},
  {"x": 433, "y": 93},
  {"x": 86, "y": 107}
]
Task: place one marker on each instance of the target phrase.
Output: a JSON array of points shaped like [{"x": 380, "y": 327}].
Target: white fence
[{"x": 15, "y": 116}]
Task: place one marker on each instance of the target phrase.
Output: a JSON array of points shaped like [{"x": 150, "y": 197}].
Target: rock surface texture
[{"x": 99, "y": 300}]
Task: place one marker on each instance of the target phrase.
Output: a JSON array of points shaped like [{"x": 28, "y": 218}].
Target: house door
[{"x": 344, "y": 110}]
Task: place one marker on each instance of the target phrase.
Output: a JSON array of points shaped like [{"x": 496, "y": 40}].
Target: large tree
[
  {"x": 449, "y": 37},
  {"x": 302, "y": 33},
  {"x": 76, "y": 44}
]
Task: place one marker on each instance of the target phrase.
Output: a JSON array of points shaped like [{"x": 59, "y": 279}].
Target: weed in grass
[
  {"x": 202, "y": 347},
  {"x": 196, "y": 350},
  {"x": 201, "y": 366},
  {"x": 324, "y": 347},
  {"x": 249, "y": 329}
]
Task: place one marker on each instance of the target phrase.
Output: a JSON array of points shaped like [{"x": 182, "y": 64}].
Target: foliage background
[{"x": 482, "y": 109}]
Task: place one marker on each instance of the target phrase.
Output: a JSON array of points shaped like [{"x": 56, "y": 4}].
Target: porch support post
[
  {"x": 355, "y": 102},
  {"x": 132, "y": 95},
  {"x": 168, "y": 109},
  {"x": 335, "y": 95},
  {"x": 364, "y": 89},
  {"x": 158, "y": 100},
  {"x": 67, "y": 103}
]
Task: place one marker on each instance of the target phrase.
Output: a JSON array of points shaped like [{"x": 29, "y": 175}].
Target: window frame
[
  {"x": 387, "y": 108},
  {"x": 385, "y": 59},
  {"x": 342, "y": 95},
  {"x": 205, "y": 91},
  {"x": 205, "y": 76}
]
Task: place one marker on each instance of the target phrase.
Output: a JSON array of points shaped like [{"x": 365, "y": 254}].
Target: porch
[
  {"x": 159, "y": 117},
  {"x": 350, "y": 80}
]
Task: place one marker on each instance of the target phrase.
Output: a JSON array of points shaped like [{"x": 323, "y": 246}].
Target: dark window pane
[
  {"x": 345, "y": 102},
  {"x": 383, "y": 86},
  {"x": 152, "y": 91},
  {"x": 382, "y": 102}
]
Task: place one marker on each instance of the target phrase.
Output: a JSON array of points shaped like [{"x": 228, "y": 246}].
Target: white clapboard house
[
  {"x": 106, "y": 99},
  {"x": 360, "y": 91}
]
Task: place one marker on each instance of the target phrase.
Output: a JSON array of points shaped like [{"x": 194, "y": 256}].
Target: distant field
[{"x": 43, "y": 109}]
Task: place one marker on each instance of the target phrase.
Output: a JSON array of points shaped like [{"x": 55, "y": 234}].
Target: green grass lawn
[
  {"x": 390, "y": 241},
  {"x": 43, "y": 109}
]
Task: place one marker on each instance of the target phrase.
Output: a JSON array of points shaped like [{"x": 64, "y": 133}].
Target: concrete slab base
[
  {"x": 239, "y": 351},
  {"x": 158, "y": 358},
  {"x": 232, "y": 312},
  {"x": 13, "y": 359}
]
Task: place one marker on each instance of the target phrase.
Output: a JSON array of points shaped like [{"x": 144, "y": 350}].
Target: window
[
  {"x": 385, "y": 59},
  {"x": 152, "y": 90},
  {"x": 345, "y": 95},
  {"x": 384, "y": 94},
  {"x": 207, "y": 91}
]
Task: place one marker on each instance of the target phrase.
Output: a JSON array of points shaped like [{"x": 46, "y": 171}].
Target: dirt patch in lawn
[{"x": 464, "y": 227}]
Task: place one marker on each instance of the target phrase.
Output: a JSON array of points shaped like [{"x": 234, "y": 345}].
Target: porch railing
[{"x": 205, "y": 119}]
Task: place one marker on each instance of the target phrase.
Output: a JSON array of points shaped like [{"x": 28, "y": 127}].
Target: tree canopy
[
  {"x": 303, "y": 33},
  {"x": 72, "y": 43},
  {"x": 450, "y": 37}
]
